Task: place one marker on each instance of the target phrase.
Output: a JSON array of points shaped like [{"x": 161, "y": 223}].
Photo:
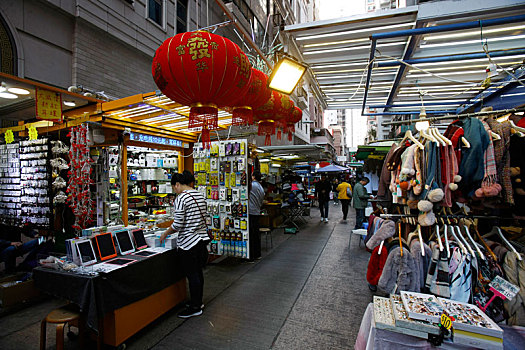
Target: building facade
[{"x": 106, "y": 47}]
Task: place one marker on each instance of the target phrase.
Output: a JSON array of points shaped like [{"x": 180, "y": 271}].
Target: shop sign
[
  {"x": 33, "y": 133},
  {"x": 154, "y": 139},
  {"x": 48, "y": 105}
]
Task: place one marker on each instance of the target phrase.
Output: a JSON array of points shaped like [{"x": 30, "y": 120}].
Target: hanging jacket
[
  {"x": 471, "y": 168},
  {"x": 399, "y": 273},
  {"x": 376, "y": 265},
  {"x": 515, "y": 272},
  {"x": 461, "y": 278},
  {"x": 384, "y": 180},
  {"x": 422, "y": 262},
  {"x": 502, "y": 156},
  {"x": 432, "y": 172},
  {"x": 437, "y": 277},
  {"x": 387, "y": 230}
]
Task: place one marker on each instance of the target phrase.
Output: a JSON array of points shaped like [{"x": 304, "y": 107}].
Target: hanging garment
[
  {"x": 454, "y": 133},
  {"x": 432, "y": 172},
  {"x": 502, "y": 156},
  {"x": 489, "y": 185},
  {"x": 384, "y": 181},
  {"x": 449, "y": 169},
  {"x": 471, "y": 168},
  {"x": 422, "y": 262},
  {"x": 461, "y": 278},
  {"x": 419, "y": 181},
  {"x": 488, "y": 269},
  {"x": 515, "y": 272},
  {"x": 517, "y": 163},
  {"x": 387, "y": 230},
  {"x": 437, "y": 277},
  {"x": 399, "y": 273},
  {"x": 372, "y": 229},
  {"x": 376, "y": 265}
]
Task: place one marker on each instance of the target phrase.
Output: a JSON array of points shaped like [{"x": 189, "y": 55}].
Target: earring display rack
[
  {"x": 10, "y": 211},
  {"x": 35, "y": 183},
  {"x": 221, "y": 176}
]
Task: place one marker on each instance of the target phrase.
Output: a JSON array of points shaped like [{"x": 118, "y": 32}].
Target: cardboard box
[{"x": 14, "y": 294}]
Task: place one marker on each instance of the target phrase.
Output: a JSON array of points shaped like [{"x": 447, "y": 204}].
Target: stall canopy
[
  {"x": 446, "y": 44},
  {"x": 377, "y": 150},
  {"x": 332, "y": 168}
]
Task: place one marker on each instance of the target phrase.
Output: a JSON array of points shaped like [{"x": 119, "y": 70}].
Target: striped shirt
[
  {"x": 188, "y": 219},
  {"x": 256, "y": 199}
]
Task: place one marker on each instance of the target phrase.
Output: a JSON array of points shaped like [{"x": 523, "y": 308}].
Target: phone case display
[
  {"x": 404, "y": 321},
  {"x": 80, "y": 178},
  {"x": 35, "y": 181},
  {"x": 420, "y": 306},
  {"x": 10, "y": 213},
  {"x": 470, "y": 318},
  {"x": 221, "y": 176}
]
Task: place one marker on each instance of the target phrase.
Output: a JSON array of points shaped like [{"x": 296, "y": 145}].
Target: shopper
[
  {"x": 256, "y": 200},
  {"x": 344, "y": 194},
  {"x": 360, "y": 198},
  {"x": 322, "y": 192},
  {"x": 11, "y": 247},
  {"x": 190, "y": 223}
]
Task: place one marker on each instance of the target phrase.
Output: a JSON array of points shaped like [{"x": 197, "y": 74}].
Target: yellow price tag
[
  {"x": 446, "y": 321},
  {"x": 111, "y": 180},
  {"x": 9, "y": 137}
]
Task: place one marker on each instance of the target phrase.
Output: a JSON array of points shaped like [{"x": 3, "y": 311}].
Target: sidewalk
[{"x": 308, "y": 292}]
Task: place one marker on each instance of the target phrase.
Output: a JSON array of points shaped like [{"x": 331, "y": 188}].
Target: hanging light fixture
[
  {"x": 286, "y": 75},
  {"x": 423, "y": 124}
]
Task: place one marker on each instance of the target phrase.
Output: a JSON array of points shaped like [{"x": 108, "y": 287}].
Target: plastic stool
[
  {"x": 267, "y": 232},
  {"x": 61, "y": 316}
]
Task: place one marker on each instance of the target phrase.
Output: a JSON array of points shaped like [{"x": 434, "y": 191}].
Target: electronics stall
[{"x": 221, "y": 174}]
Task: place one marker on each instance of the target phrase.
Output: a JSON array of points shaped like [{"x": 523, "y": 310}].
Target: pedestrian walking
[
  {"x": 322, "y": 192},
  {"x": 335, "y": 192},
  {"x": 360, "y": 200},
  {"x": 344, "y": 193}
]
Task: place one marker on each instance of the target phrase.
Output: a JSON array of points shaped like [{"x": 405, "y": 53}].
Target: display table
[
  {"x": 370, "y": 337},
  {"x": 123, "y": 301},
  {"x": 274, "y": 212}
]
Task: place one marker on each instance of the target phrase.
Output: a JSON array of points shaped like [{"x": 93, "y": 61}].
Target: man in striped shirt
[{"x": 190, "y": 223}]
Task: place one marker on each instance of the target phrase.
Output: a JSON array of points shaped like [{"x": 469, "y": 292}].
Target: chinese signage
[
  {"x": 9, "y": 137},
  {"x": 48, "y": 105},
  {"x": 154, "y": 139}
]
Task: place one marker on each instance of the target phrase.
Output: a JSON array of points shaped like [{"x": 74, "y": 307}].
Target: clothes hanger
[
  {"x": 465, "y": 142},
  {"x": 445, "y": 233},
  {"x": 458, "y": 241},
  {"x": 494, "y": 135},
  {"x": 465, "y": 242},
  {"x": 491, "y": 253},
  {"x": 409, "y": 136},
  {"x": 442, "y": 137},
  {"x": 420, "y": 240},
  {"x": 427, "y": 136},
  {"x": 465, "y": 227},
  {"x": 432, "y": 132},
  {"x": 508, "y": 244},
  {"x": 380, "y": 247},
  {"x": 400, "y": 241},
  {"x": 440, "y": 244}
]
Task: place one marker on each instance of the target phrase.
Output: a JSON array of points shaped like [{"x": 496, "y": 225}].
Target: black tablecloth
[{"x": 97, "y": 295}]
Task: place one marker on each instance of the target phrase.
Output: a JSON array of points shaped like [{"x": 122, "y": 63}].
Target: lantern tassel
[
  {"x": 268, "y": 140},
  {"x": 290, "y": 136},
  {"x": 279, "y": 134},
  {"x": 206, "y": 141}
]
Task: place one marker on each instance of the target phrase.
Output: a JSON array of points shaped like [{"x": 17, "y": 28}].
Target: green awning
[{"x": 371, "y": 152}]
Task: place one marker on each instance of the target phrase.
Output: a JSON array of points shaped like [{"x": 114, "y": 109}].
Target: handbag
[
  {"x": 202, "y": 215},
  {"x": 349, "y": 192}
]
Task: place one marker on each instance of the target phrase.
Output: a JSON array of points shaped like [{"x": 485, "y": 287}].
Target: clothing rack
[
  {"x": 453, "y": 116},
  {"x": 393, "y": 216}
]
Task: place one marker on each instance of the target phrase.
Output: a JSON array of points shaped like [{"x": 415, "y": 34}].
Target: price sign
[
  {"x": 505, "y": 288},
  {"x": 446, "y": 321},
  {"x": 33, "y": 133},
  {"x": 9, "y": 137}
]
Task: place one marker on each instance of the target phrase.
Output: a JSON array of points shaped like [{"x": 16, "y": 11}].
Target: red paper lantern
[
  {"x": 201, "y": 70},
  {"x": 295, "y": 117},
  {"x": 285, "y": 113},
  {"x": 271, "y": 113},
  {"x": 256, "y": 95}
]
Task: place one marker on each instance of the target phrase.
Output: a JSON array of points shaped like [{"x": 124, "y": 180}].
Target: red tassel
[
  {"x": 290, "y": 136},
  {"x": 279, "y": 134},
  {"x": 206, "y": 141},
  {"x": 268, "y": 140},
  {"x": 242, "y": 116}
]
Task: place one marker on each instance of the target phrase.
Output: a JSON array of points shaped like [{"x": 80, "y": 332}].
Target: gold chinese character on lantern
[
  {"x": 214, "y": 45},
  {"x": 201, "y": 66},
  {"x": 180, "y": 50},
  {"x": 198, "y": 48},
  {"x": 243, "y": 64}
]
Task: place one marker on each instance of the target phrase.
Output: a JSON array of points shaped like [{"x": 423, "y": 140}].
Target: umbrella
[{"x": 332, "y": 168}]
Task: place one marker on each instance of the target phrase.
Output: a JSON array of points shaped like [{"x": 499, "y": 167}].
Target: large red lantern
[
  {"x": 201, "y": 70},
  {"x": 257, "y": 94},
  {"x": 295, "y": 117}
]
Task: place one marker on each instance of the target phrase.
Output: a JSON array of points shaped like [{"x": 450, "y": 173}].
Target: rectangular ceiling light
[
  {"x": 356, "y": 31},
  {"x": 476, "y": 41},
  {"x": 473, "y": 33}
]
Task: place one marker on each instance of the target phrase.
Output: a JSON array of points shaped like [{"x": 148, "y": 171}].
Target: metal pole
[
  {"x": 369, "y": 73},
  {"x": 501, "y": 53},
  {"x": 229, "y": 14},
  {"x": 454, "y": 116},
  {"x": 449, "y": 27}
]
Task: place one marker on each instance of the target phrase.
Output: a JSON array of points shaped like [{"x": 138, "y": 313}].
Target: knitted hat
[
  {"x": 425, "y": 206},
  {"x": 436, "y": 195},
  {"x": 387, "y": 230}
]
